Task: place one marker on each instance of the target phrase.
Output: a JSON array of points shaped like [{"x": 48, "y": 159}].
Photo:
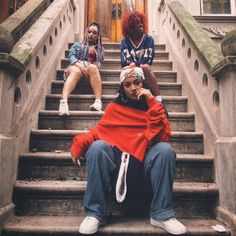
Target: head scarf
[
  {"x": 127, "y": 72},
  {"x": 131, "y": 71}
]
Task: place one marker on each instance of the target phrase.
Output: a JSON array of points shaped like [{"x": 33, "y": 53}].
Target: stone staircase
[{"x": 49, "y": 190}]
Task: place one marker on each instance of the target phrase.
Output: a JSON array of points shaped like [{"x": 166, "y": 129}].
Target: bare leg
[
  {"x": 71, "y": 81},
  {"x": 95, "y": 80},
  {"x": 96, "y": 84},
  {"x": 69, "y": 86},
  {"x": 151, "y": 79}
]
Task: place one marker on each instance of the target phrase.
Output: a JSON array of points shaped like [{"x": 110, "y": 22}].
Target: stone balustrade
[
  {"x": 194, "y": 54},
  {"x": 26, "y": 72},
  {"x": 208, "y": 79},
  {"x": 18, "y": 23}
]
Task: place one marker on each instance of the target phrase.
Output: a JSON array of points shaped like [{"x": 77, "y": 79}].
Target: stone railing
[
  {"x": 18, "y": 23},
  {"x": 225, "y": 147},
  {"x": 194, "y": 54},
  {"x": 26, "y": 73},
  {"x": 208, "y": 79}
]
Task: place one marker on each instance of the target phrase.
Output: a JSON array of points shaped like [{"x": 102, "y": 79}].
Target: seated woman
[
  {"x": 129, "y": 144},
  {"x": 85, "y": 60},
  {"x": 137, "y": 47}
]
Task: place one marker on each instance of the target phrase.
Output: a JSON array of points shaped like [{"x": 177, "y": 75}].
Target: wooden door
[{"x": 109, "y": 14}]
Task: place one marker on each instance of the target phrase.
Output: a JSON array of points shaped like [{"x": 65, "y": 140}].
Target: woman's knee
[
  {"x": 75, "y": 71},
  {"x": 97, "y": 149},
  {"x": 92, "y": 69},
  {"x": 164, "y": 150},
  {"x": 99, "y": 145}
]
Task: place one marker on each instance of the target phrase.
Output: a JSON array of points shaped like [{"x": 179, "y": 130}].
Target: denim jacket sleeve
[{"x": 73, "y": 55}]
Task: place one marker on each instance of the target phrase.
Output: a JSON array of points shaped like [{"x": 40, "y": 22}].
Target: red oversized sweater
[{"x": 129, "y": 129}]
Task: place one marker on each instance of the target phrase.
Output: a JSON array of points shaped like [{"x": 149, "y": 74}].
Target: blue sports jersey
[{"x": 142, "y": 54}]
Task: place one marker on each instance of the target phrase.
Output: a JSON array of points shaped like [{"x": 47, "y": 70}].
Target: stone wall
[
  {"x": 208, "y": 79},
  {"x": 26, "y": 73}
]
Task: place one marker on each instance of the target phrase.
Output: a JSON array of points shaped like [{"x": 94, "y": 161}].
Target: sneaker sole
[
  {"x": 94, "y": 109},
  {"x": 92, "y": 231},
  {"x": 63, "y": 114},
  {"x": 160, "y": 225},
  {"x": 86, "y": 232}
]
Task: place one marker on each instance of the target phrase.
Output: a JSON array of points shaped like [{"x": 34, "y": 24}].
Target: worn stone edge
[{"x": 205, "y": 46}]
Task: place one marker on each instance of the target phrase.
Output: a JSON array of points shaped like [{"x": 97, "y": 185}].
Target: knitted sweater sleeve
[
  {"x": 82, "y": 142},
  {"x": 158, "y": 126}
]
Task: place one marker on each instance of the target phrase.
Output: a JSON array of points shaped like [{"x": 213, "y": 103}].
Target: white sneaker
[
  {"x": 89, "y": 225},
  {"x": 172, "y": 226},
  {"x": 96, "y": 106},
  {"x": 63, "y": 108}
]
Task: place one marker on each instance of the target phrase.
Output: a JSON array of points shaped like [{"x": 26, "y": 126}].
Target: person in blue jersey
[
  {"x": 137, "y": 47},
  {"x": 84, "y": 61}
]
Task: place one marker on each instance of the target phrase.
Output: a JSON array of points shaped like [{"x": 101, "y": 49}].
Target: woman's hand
[
  {"x": 144, "y": 92},
  {"x": 74, "y": 158},
  {"x": 98, "y": 64},
  {"x": 82, "y": 69},
  {"x": 145, "y": 67}
]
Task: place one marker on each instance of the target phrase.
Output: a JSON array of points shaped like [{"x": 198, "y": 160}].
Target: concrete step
[
  {"x": 66, "y": 198},
  {"x": 50, "y": 140},
  {"x": 111, "y": 88},
  {"x": 114, "y": 75},
  {"x": 59, "y": 166},
  {"x": 115, "y": 54},
  {"x": 69, "y": 226},
  {"x": 88, "y": 119},
  {"x": 159, "y": 55},
  {"x": 115, "y": 64},
  {"x": 82, "y": 102},
  {"x": 116, "y": 46}
]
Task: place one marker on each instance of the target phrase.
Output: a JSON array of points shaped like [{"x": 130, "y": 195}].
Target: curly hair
[{"x": 131, "y": 20}]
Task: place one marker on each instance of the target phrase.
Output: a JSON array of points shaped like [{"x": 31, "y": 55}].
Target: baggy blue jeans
[{"x": 159, "y": 169}]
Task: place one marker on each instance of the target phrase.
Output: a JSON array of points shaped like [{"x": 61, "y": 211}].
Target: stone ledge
[
  {"x": 206, "y": 47},
  {"x": 7, "y": 62},
  {"x": 6, "y": 213},
  {"x": 227, "y": 217},
  {"x": 69, "y": 225},
  {"x": 228, "y": 63},
  {"x": 32, "y": 40},
  {"x": 18, "y": 23}
]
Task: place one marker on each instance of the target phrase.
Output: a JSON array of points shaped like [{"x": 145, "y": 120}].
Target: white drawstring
[{"x": 121, "y": 186}]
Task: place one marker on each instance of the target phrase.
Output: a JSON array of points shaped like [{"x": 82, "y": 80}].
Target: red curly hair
[{"x": 130, "y": 22}]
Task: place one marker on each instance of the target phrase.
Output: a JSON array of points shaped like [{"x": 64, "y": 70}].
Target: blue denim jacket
[{"x": 76, "y": 55}]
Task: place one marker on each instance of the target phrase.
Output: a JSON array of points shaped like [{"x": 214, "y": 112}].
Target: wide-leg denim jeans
[{"x": 159, "y": 169}]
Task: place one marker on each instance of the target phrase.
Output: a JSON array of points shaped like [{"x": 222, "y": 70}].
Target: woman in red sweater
[{"x": 129, "y": 144}]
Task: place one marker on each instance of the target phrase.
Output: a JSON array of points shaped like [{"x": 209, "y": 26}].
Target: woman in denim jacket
[{"x": 84, "y": 60}]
